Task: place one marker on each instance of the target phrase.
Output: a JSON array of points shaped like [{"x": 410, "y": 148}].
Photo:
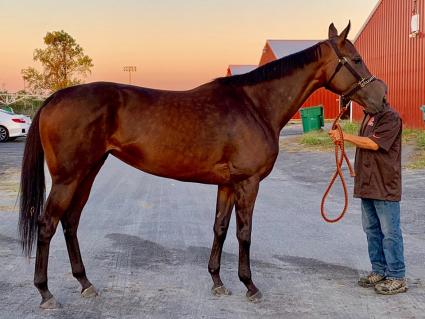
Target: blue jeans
[{"x": 381, "y": 223}]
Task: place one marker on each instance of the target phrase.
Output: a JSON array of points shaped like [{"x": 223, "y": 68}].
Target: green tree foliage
[{"x": 63, "y": 62}]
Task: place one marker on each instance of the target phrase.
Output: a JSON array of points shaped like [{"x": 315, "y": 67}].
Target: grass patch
[
  {"x": 416, "y": 137},
  {"x": 420, "y": 140},
  {"x": 316, "y": 138},
  {"x": 409, "y": 135},
  {"x": 418, "y": 161},
  {"x": 350, "y": 127},
  {"x": 321, "y": 140}
]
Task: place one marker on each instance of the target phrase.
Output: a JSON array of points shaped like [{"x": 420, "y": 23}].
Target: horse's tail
[{"x": 32, "y": 190}]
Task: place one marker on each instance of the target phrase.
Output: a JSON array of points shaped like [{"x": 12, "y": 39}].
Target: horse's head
[{"x": 348, "y": 76}]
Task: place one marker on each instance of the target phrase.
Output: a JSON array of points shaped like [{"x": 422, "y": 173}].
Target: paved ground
[{"x": 146, "y": 242}]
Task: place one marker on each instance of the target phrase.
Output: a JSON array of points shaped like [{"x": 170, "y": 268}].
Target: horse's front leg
[
  {"x": 246, "y": 193},
  {"x": 225, "y": 203}
]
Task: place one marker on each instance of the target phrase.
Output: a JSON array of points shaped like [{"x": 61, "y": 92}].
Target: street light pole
[{"x": 129, "y": 69}]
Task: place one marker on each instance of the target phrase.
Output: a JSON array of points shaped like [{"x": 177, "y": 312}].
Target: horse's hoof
[
  {"x": 256, "y": 297},
  {"x": 89, "y": 292},
  {"x": 50, "y": 304},
  {"x": 220, "y": 291}
]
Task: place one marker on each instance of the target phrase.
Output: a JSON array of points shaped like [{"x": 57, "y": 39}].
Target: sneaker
[
  {"x": 391, "y": 286},
  {"x": 370, "y": 280}
]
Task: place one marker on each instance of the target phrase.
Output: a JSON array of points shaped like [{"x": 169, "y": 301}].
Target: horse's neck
[{"x": 278, "y": 100}]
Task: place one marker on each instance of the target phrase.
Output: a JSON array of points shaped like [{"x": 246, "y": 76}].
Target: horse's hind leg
[
  {"x": 225, "y": 203},
  {"x": 57, "y": 203},
  {"x": 246, "y": 193},
  {"x": 70, "y": 222}
]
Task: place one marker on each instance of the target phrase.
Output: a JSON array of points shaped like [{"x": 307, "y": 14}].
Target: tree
[{"x": 63, "y": 62}]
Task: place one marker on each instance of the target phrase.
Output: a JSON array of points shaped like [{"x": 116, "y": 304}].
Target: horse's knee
[
  {"x": 220, "y": 232},
  {"x": 244, "y": 237}
]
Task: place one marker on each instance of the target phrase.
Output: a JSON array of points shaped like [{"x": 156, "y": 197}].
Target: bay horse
[{"x": 225, "y": 132}]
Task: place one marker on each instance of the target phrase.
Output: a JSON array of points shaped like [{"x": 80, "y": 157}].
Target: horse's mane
[{"x": 276, "y": 69}]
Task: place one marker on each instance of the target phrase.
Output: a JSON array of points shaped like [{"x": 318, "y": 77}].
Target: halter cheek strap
[{"x": 361, "y": 82}]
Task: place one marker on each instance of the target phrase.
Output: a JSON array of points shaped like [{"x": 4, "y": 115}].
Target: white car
[{"x": 13, "y": 125}]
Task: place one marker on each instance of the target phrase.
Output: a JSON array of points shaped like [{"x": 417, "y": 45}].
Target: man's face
[{"x": 384, "y": 102}]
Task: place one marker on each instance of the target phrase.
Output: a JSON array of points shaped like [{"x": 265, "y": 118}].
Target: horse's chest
[{"x": 255, "y": 157}]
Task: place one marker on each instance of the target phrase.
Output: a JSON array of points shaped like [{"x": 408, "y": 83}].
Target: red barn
[
  {"x": 276, "y": 49},
  {"x": 392, "y": 43}
]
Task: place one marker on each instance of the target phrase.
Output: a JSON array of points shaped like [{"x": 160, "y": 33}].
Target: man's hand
[
  {"x": 359, "y": 141},
  {"x": 335, "y": 136}
]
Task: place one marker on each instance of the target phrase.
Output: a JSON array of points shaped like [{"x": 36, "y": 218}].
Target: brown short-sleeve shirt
[{"x": 378, "y": 173}]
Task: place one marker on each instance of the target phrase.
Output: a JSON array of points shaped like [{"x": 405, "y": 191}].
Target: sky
[{"x": 175, "y": 45}]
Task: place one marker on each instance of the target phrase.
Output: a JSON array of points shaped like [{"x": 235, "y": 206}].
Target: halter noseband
[{"x": 361, "y": 82}]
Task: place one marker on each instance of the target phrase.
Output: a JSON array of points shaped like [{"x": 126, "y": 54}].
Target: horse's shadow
[{"x": 145, "y": 254}]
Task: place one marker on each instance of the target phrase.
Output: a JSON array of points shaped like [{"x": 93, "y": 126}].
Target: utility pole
[{"x": 129, "y": 69}]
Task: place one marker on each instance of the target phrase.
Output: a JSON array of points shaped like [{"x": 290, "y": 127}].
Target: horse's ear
[
  {"x": 333, "y": 32},
  {"x": 344, "y": 33}
]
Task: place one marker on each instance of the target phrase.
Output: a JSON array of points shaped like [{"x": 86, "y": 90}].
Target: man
[{"x": 378, "y": 185}]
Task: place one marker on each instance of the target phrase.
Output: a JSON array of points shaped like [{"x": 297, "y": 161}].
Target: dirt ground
[{"x": 146, "y": 240}]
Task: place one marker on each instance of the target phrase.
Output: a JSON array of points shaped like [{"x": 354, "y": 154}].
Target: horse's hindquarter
[
  {"x": 203, "y": 135},
  {"x": 75, "y": 126}
]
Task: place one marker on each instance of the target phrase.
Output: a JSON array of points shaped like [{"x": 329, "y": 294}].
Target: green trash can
[
  {"x": 312, "y": 118},
  {"x": 422, "y": 108}
]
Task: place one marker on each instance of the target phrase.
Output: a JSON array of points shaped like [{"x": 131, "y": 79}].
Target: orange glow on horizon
[{"x": 173, "y": 45}]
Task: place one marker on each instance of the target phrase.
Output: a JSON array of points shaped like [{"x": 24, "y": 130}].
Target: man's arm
[{"x": 359, "y": 141}]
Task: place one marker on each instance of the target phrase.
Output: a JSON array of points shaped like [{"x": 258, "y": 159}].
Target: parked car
[{"x": 13, "y": 125}]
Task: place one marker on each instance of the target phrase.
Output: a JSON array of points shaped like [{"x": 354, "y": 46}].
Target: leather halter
[{"x": 361, "y": 82}]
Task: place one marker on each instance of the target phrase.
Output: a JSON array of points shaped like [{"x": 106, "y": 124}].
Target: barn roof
[
  {"x": 235, "y": 69},
  {"x": 282, "y": 48}
]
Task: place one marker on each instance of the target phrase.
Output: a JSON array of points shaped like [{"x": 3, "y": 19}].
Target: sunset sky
[{"x": 174, "y": 44}]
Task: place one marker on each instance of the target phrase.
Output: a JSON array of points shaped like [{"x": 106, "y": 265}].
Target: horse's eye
[{"x": 357, "y": 60}]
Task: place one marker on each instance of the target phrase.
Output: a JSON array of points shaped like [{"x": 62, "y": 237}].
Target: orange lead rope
[{"x": 339, "y": 158}]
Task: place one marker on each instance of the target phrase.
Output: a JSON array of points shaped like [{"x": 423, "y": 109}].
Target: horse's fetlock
[
  {"x": 245, "y": 276},
  {"x": 79, "y": 274},
  {"x": 220, "y": 231},
  {"x": 214, "y": 269},
  {"x": 40, "y": 285}
]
